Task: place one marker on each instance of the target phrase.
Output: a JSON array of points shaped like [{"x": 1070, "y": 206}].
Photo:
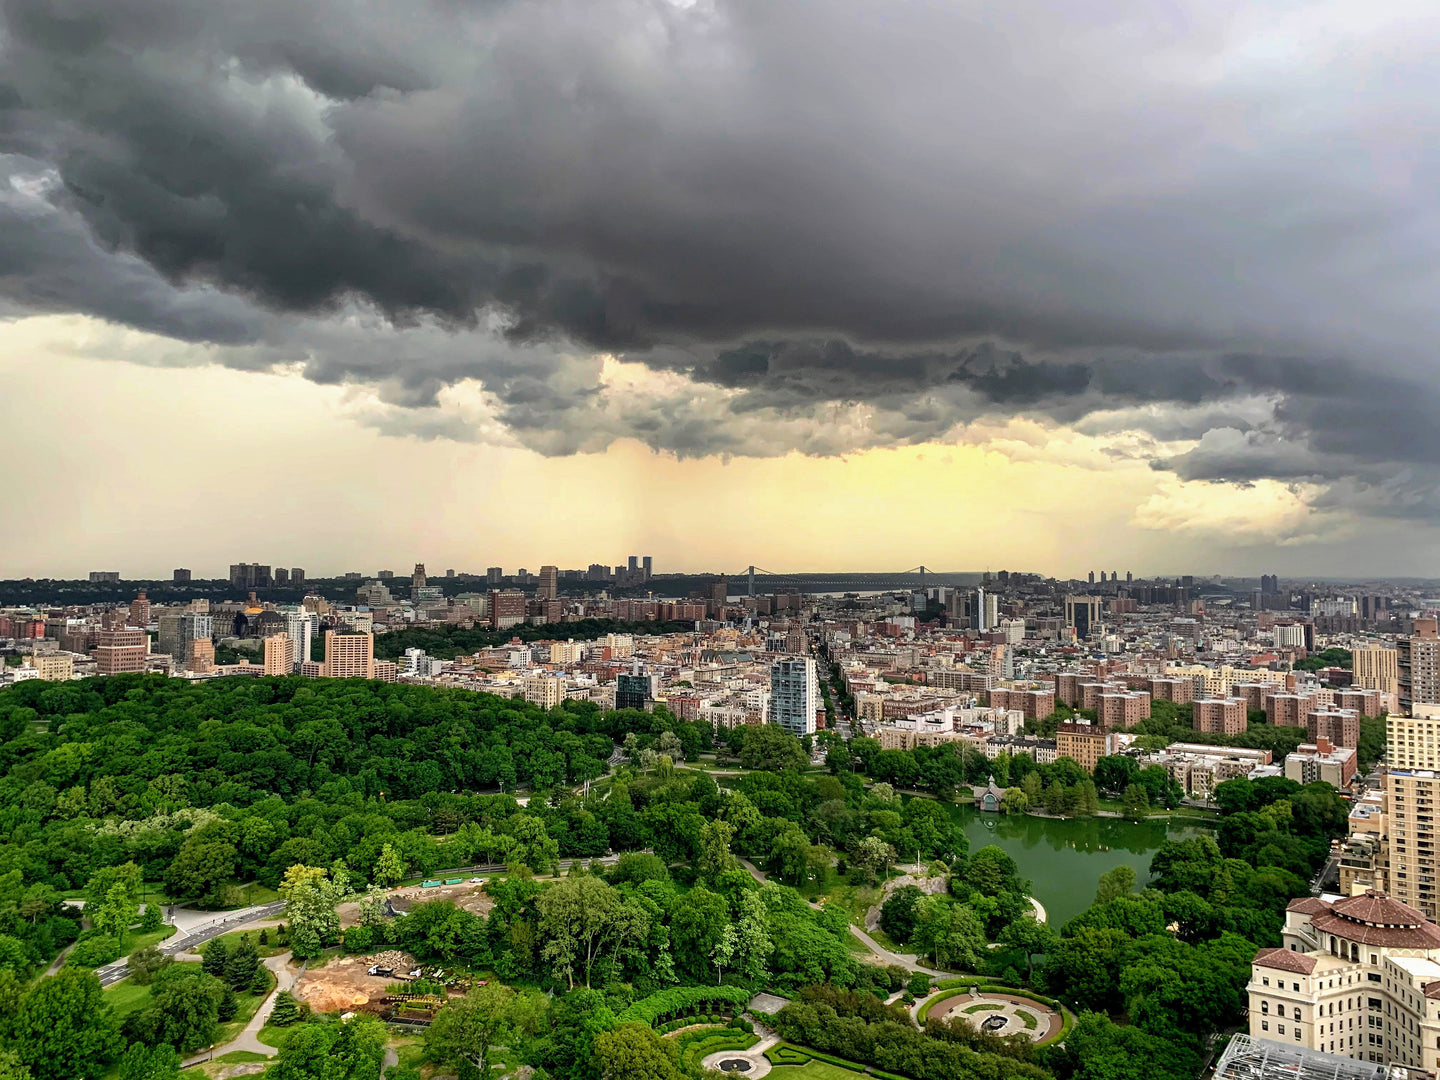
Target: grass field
[
  {"x": 233, "y": 938},
  {"x": 813, "y": 1070},
  {"x": 135, "y": 942},
  {"x": 126, "y": 996}
]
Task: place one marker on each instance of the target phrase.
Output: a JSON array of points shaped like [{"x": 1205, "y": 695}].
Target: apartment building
[
  {"x": 1035, "y": 703},
  {"x": 507, "y": 608},
  {"x": 1417, "y": 664},
  {"x": 1288, "y": 710},
  {"x": 547, "y": 691},
  {"x": 279, "y": 654},
  {"x": 1122, "y": 709},
  {"x": 1084, "y": 744},
  {"x": 1340, "y": 726},
  {"x": 52, "y": 667},
  {"x": 1376, "y": 667},
  {"x": 1220, "y": 716},
  {"x": 1358, "y": 976},
  {"x": 1180, "y": 691},
  {"x": 120, "y": 651},
  {"x": 794, "y": 695},
  {"x": 1322, "y": 761},
  {"x": 349, "y": 656}
]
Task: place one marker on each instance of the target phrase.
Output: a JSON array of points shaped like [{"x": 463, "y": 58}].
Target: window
[
  {"x": 1264, "y": 1007},
  {"x": 1280, "y": 1028},
  {"x": 1265, "y": 1026},
  {"x": 1297, "y": 1034},
  {"x": 1266, "y": 980},
  {"x": 1296, "y": 987}
]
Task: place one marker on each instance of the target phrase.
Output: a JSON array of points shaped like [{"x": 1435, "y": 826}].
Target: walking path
[
  {"x": 249, "y": 1039},
  {"x": 909, "y": 962},
  {"x": 192, "y": 932}
]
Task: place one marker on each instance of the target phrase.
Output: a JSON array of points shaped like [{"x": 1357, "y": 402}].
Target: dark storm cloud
[{"x": 1105, "y": 214}]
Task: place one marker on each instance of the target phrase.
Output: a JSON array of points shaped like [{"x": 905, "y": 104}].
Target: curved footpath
[
  {"x": 910, "y": 963},
  {"x": 248, "y": 1039}
]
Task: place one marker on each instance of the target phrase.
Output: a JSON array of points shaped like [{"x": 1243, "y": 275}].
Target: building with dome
[{"x": 1358, "y": 976}]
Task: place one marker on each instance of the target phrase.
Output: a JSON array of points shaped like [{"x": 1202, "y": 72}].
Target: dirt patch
[
  {"x": 343, "y": 984},
  {"x": 470, "y": 896}
]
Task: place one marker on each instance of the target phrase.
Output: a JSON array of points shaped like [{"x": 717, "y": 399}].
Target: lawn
[
  {"x": 813, "y": 1070},
  {"x": 126, "y": 997},
  {"x": 233, "y": 938},
  {"x": 247, "y": 1005},
  {"x": 255, "y": 893},
  {"x": 241, "y": 1057},
  {"x": 136, "y": 942},
  {"x": 271, "y": 1035}
]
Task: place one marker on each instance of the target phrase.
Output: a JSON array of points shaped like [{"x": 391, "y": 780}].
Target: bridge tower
[{"x": 752, "y": 581}]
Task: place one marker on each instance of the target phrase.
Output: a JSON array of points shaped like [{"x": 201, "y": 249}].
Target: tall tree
[
  {"x": 578, "y": 917},
  {"x": 310, "y": 896},
  {"x": 64, "y": 1026},
  {"x": 467, "y": 1029},
  {"x": 635, "y": 1052}
]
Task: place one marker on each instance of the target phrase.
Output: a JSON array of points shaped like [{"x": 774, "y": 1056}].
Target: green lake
[{"x": 1065, "y": 858}]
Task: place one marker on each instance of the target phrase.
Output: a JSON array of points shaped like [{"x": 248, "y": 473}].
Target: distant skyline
[{"x": 802, "y": 285}]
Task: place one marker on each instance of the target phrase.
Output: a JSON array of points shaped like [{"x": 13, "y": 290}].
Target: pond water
[{"x": 1065, "y": 858}]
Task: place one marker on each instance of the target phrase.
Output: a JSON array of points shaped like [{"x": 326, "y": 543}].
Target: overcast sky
[{"x": 1142, "y": 286}]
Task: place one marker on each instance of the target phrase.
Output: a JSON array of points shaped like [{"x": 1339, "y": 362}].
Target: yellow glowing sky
[{"x": 122, "y": 465}]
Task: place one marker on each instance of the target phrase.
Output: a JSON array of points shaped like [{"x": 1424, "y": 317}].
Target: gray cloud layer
[{"x": 941, "y": 210}]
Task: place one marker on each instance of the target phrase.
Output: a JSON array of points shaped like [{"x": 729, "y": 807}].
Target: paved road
[{"x": 195, "y": 936}]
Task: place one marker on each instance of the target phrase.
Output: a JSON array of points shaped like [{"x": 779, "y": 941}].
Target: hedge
[
  {"x": 987, "y": 988},
  {"x": 698, "y": 1049},
  {"x": 790, "y": 1054},
  {"x": 686, "y": 1001}
]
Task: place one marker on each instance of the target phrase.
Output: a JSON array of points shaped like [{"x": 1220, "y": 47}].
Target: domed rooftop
[{"x": 1373, "y": 918}]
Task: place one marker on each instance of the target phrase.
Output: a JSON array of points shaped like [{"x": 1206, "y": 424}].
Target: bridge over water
[{"x": 754, "y": 581}]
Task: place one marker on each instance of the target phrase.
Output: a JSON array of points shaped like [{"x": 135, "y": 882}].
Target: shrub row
[{"x": 686, "y": 1001}]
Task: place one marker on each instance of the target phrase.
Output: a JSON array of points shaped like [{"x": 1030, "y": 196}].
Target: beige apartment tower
[
  {"x": 348, "y": 656},
  {"x": 279, "y": 654},
  {"x": 549, "y": 587},
  {"x": 1376, "y": 668}
]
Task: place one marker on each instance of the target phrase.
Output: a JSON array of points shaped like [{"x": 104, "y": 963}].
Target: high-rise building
[
  {"x": 120, "y": 651},
  {"x": 1417, "y": 664},
  {"x": 279, "y": 654},
  {"x": 417, "y": 578},
  {"x": 181, "y": 577},
  {"x": 302, "y": 626},
  {"x": 374, "y": 594},
  {"x": 794, "y": 695},
  {"x": 178, "y": 634},
  {"x": 297, "y": 577},
  {"x": 634, "y": 565},
  {"x": 282, "y": 576},
  {"x": 494, "y": 575},
  {"x": 1221, "y": 716},
  {"x": 647, "y": 566},
  {"x": 140, "y": 611},
  {"x": 507, "y": 608},
  {"x": 1376, "y": 667},
  {"x": 348, "y": 655},
  {"x": 548, "y": 589},
  {"x": 104, "y": 577},
  {"x": 1092, "y": 577},
  {"x": 250, "y": 576},
  {"x": 1083, "y": 613}
]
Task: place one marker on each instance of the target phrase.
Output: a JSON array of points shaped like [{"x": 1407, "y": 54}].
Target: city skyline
[{"x": 1160, "y": 306}]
